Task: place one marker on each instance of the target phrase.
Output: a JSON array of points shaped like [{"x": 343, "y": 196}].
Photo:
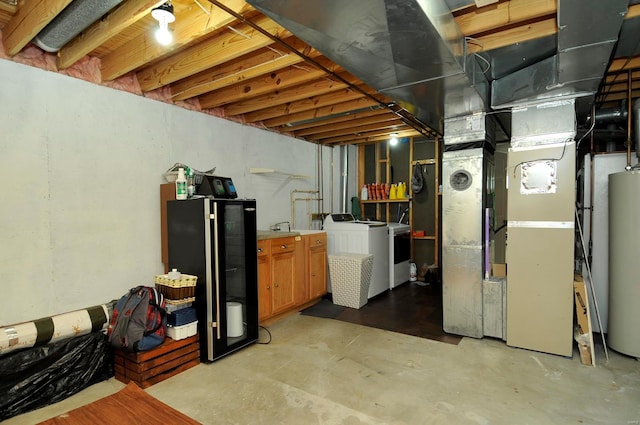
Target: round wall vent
[{"x": 460, "y": 180}]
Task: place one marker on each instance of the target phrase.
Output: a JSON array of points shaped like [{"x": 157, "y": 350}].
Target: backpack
[
  {"x": 139, "y": 320},
  {"x": 417, "y": 181}
]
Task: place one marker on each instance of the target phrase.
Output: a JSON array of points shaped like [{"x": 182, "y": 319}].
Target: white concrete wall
[{"x": 80, "y": 167}]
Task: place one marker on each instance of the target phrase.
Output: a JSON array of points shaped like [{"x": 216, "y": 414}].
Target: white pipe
[{"x": 293, "y": 203}]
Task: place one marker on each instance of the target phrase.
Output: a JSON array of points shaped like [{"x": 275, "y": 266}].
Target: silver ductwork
[
  {"x": 587, "y": 33},
  {"x": 410, "y": 50},
  {"x": 74, "y": 19},
  {"x": 612, "y": 115}
]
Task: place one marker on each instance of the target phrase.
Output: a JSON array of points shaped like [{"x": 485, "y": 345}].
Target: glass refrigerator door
[{"x": 237, "y": 274}]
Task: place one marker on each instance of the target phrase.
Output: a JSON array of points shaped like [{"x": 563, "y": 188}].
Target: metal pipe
[
  {"x": 320, "y": 185},
  {"x": 591, "y": 196},
  {"x": 331, "y": 182},
  {"x": 293, "y": 204},
  {"x": 611, "y": 115},
  {"x": 629, "y": 100},
  {"x": 344, "y": 159}
]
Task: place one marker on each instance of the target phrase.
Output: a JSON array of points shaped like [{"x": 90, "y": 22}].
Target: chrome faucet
[{"x": 276, "y": 227}]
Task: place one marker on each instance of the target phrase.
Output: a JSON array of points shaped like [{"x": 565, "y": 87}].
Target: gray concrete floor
[{"x": 322, "y": 371}]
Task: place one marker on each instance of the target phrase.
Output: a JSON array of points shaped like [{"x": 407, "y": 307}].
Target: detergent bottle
[
  {"x": 364, "y": 193},
  {"x": 393, "y": 192}
]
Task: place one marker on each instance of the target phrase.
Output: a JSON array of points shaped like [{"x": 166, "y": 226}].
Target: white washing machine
[
  {"x": 399, "y": 253},
  {"x": 346, "y": 234}
]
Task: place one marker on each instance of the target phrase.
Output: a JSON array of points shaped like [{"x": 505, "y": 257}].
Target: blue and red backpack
[{"x": 139, "y": 320}]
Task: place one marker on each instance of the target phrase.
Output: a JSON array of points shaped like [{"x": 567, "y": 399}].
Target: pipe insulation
[
  {"x": 54, "y": 328},
  {"x": 74, "y": 19}
]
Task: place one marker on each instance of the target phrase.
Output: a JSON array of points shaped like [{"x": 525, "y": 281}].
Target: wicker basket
[{"x": 176, "y": 289}]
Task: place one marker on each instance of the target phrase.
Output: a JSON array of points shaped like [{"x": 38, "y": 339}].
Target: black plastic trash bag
[{"x": 39, "y": 376}]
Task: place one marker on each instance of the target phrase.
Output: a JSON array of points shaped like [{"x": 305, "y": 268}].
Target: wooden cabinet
[
  {"x": 276, "y": 276},
  {"x": 317, "y": 264},
  {"x": 264, "y": 279},
  {"x": 292, "y": 272},
  {"x": 282, "y": 274},
  {"x": 167, "y": 193}
]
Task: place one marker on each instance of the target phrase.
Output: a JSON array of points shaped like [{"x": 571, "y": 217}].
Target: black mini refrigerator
[{"x": 215, "y": 240}]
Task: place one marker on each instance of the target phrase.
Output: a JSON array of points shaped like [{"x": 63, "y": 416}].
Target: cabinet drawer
[
  {"x": 264, "y": 248},
  {"x": 280, "y": 245},
  {"x": 317, "y": 240}
]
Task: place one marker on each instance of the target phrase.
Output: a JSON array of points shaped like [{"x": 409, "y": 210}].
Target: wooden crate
[{"x": 150, "y": 367}]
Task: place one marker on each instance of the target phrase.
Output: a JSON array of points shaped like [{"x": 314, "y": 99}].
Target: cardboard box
[
  {"x": 499, "y": 270},
  {"x": 582, "y": 334},
  {"x": 582, "y": 307}
]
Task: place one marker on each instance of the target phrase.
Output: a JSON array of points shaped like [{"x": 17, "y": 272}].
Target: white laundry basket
[{"x": 350, "y": 276}]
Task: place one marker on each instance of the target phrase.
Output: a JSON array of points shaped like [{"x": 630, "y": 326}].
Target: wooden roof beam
[
  {"x": 331, "y": 98},
  {"x": 475, "y": 20},
  {"x": 514, "y": 35},
  {"x": 228, "y": 45},
  {"x": 268, "y": 59},
  {"x": 320, "y": 112},
  {"x": 102, "y": 30},
  {"x": 277, "y": 80},
  {"x": 332, "y": 120},
  {"x": 190, "y": 25},
  {"x": 393, "y": 125},
  {"x": 291, "y": 95},
  {"x": 31, "y": 18},
  {"x": 353, "y": 122}
]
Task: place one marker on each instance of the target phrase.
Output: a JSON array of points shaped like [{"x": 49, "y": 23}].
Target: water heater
[{"x": 624, "y": 246}]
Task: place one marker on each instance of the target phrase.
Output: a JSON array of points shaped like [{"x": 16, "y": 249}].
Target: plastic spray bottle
[
  {"x": 181, "y": 185},
  {"x": 191, "y": 183}
]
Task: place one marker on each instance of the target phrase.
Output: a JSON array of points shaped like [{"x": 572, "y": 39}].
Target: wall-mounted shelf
[
  {"x": 424, "y": 238},
  {"x": 423, "y": 161},
  {"x": 271, "y": 171},
  {"x": 385, "y": 201}
]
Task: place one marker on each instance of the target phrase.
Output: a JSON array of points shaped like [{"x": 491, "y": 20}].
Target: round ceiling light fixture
[
  {"x": 164, "y": 15},
  {"x": 394, "y": 139}
]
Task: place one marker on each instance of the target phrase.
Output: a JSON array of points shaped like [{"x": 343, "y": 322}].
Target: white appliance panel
[{"x": 362, "y": 239}]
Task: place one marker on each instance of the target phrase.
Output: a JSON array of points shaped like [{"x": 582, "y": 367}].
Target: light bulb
[
  {"x": 394, "y": 139},
  {"x": 163, "y": 35},
  {"x": 164, "y": 15}
]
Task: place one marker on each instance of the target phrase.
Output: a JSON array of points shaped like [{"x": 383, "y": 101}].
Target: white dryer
[
  {"x": 399, "y": 253},
  {"x": 346, "y": 234}
]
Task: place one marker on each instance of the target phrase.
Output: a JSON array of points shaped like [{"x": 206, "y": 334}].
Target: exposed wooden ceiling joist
[{"x": 230, "y": 60}]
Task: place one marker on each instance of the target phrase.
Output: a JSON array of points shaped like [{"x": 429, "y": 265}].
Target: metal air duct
[
  {"x": 587, "y": 33},
  {"x": 74, "y": 19},
  {"x": 410, "y": 50}
]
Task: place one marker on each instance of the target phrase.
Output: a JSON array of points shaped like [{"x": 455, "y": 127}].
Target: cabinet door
[
  {"x": 264, "y": 280},
  {"x": 301, "y": 283},
  {"x": 282, "y": 274},
  {"x": 317, "y": 265}
]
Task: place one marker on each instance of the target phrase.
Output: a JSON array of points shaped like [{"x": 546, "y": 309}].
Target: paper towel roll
[{"x": 234, "y": 319}]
